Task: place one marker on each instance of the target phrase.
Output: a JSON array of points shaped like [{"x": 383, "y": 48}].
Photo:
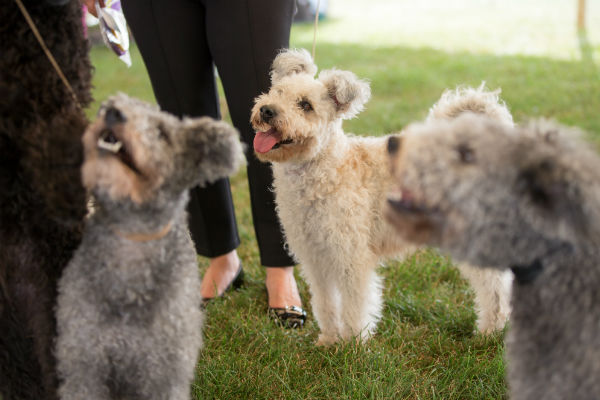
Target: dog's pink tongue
[{"x": 264, "y": 141}]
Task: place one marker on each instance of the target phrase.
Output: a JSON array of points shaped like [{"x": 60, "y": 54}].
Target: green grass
[{"x": 425, "y": 347}]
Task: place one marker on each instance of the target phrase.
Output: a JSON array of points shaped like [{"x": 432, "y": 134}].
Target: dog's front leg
[
  {"x": 325, "y": 302},
  {"x": 86, "y": 372},
  {"x": 492, "y": 289},
  {"x": 361, "y": 299}
]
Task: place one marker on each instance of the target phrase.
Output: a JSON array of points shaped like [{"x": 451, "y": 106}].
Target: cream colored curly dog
[{"x": 330, "y": 189}]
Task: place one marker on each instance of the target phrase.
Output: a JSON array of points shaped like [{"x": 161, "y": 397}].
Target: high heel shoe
[
  {"x": 291, "y": 317},
  {"x": 236, "y": 283}
]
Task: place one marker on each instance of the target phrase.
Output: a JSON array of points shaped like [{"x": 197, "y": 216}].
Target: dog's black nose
[
  {"x": 113, "y": 116},
  {"x": 267, "y": 113},
  {"x": 393, "y": 144}
]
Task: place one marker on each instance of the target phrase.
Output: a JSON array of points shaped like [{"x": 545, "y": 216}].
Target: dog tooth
[
  {"x": 395, "y": 195},
  {"x": 112, "y": 147}
]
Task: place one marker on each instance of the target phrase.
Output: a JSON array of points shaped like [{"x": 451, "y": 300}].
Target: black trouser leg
[
  {"x": 179, "y": 41},
  {"x": 171, "y": 35},
  {"x": 243, "y": 49}
]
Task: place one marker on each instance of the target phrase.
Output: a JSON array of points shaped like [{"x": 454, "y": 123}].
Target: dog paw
[
  {"x": 326, "y": 340},
  {"x": 491, "y": 324}
]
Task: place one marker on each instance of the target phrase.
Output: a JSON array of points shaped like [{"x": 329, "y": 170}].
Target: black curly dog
[{"x": 42, "y": 201}]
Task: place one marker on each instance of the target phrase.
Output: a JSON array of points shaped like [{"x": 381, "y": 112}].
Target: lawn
[{"x": 425, "y": 347}]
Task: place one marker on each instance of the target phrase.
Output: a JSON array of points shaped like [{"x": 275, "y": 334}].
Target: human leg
[
  {"x": 171, "y": 36},
  {"x": 172, "y": 40},
  {"x": 244, "y": 39}
]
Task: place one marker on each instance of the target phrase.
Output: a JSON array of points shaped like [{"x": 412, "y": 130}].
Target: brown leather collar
[{"x": 145, "y": 237}]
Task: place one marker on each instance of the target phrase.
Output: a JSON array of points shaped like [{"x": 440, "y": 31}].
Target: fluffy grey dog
[
  {"x": 129, "y": 318},
  {"x": 527, "y": 199}
]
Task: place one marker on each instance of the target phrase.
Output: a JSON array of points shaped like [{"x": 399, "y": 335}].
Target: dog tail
[{"x": 475, "y": 100}]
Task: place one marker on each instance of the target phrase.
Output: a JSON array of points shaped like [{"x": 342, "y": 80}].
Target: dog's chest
[
  {"x": 319, "y": 209},
  {"x": 553, "y": 345},
  {"x": 131, "y": 279},
  {"x": 303, "y": 194}
]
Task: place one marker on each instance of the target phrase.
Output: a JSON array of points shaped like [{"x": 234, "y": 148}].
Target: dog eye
[
  {"x": 163, "y": 135},
  {"x": 101, "y": 110},
  {"x": 466, "y": 154},
  {"x": 305, "y": 105}
]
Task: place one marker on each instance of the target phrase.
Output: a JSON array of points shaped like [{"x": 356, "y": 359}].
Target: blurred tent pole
[{"x": 580, "y": 15}]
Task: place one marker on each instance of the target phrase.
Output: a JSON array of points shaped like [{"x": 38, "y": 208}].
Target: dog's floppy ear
[
  {"x": 290, "y": 62},
  {"x": 554, "y": 161},
  {"x": 540, "y": 183},
  {"x": 347, "y": 91},
  {"x": 556, "y": 197},
  {"x": 210, "y": 150}
]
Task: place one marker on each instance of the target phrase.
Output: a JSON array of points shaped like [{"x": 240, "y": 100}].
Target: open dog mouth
[
  {"x": 405, "y": 203},
  {"x": 414, "y": 220},
  {"x": 269, "y": 140},
  {"x": 108, "y": 142}
]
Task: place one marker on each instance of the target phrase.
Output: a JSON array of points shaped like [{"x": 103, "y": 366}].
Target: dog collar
[
  {"x": 525, "y": 274},
  {"x": 145, "y": 237}
]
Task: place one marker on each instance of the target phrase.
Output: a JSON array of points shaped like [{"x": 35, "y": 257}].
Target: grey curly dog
[
  {"x": 129, "y": 317},
  {"x": 528, "y": 199}
]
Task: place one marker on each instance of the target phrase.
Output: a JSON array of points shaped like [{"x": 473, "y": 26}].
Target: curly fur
[
  {"x": 526, "y": 199},
  {"x": 475, "y": 100},
  {"x": 42, "y": 201},
  {"x": 330, "y": 188},
  {"x": 492, "y": 289},
  {"x": 349, "y": 93},
  {"x": 292, "y": 62},
  {"x": 129, "y": 318}
]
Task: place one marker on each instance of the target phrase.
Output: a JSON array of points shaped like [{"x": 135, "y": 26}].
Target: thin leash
[
  {"x": 314, "y": 47},
  {"x": 51, "y": 58}
]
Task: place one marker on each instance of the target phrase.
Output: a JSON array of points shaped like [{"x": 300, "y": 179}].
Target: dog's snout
[
  {"x": 267, "y": 113},
  {"x": 393, "y": 144},
  {"x": 114, "y": 116}
]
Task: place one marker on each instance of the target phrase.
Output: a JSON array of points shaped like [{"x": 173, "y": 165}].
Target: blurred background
[
  {"x": 548, "y": 51},
  {"x": 501, "y": 27}
]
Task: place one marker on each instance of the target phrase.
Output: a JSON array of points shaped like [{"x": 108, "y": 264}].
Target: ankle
[
  {"x": 282, "y": 288},
  {"x": 226, "y": 262},
  {"x": 220, "y": 273}
]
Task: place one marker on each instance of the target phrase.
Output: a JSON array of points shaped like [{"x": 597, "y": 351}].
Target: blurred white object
[
  {"x": 113, "y": 28},
  {"x": 90, "y": 20}
]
